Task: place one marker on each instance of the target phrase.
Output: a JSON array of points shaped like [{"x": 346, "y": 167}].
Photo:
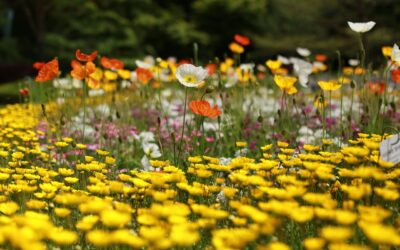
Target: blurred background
[{"x": 33, "y": 30}]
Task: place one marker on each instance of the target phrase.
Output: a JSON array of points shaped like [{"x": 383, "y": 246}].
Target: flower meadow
[{"x": 224, "y": 155}]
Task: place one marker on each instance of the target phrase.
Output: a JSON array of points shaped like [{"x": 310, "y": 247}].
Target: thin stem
[{"x": 183, "y": 124}]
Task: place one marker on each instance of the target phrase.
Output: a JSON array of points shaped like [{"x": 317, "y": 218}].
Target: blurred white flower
[
  {"x": 361, "y": 27},
  {"x": 354, "y": 62},
  {"x": 395, "y": 54},
  {"x": 96, "y": 92},
  {"x": 145, "y": 137},
  {"x": 190, "y": 75},
  {"x": 283, "y": 60},
  {"x": 147, "y": 63},
  {"x": 302, "y": 69},
  {"x": 151, "y": 150},
  {"x": 303, "y": 52}
]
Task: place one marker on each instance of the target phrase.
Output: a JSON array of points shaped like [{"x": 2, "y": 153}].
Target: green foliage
[{"x": 130, "y": 29}]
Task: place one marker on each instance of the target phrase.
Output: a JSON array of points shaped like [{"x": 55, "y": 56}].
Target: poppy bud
[
  {"x": 209, "y": 90},
  {"x": 24, "y": 92},
  {"x": 352, "y": 84},
  {"x": 260, "y": 119},
  {"x": 117, "y": 115}
]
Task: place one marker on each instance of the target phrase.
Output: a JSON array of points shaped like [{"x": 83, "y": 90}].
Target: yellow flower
[
  {"x": 241, "y": 144},
  {"x": 99, "y": 238},
  {"x": 9, "y": 208},
  {"x": 62, "y": 212},
  {"x": 124, "y": 74},
  {"x": 63, "y": 237},
  {"x": 110, "y": 160},
  {"x": 112, "y": 218},
  {"x": 71, "y": 180},
  {"x": 330, "y": 85},
  {"x": 387, "y": 51},
  {"x": 35, "y": 204},
  {"x": 236, "y": 48},
  {"x": 314, "y": 243},
  {"x": 273, "y": 64},
  {"x": 336, "y": 234},
  {"x": 286, "y": 83},
  {"x": 380, "y": 234},
  {"x": 110, "y": 75}
]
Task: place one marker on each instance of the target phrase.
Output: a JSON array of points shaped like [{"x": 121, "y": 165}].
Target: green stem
[{"x": 183, "y": 124}]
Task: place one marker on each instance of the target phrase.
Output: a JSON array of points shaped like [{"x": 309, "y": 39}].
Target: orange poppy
[
  {"x": 204, "y": 108},
  {"x": 80, "y": 71},
  {"x": 38, "y": 65},
  {"x": 211, "y": 68},
  {"x": 377, "y": 87},
  {"x": 48, "y": 71},
  {"x": 85, "y": 57},
  {"x": 143, "y": 75},
  {"x": 242, "y": 40},
  {"x": 396, "y": 75},
  {"x": 320, "y": 57},
  {"x": 111, "y": 63}
]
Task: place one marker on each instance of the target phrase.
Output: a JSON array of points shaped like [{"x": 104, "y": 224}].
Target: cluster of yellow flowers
[{"x": 315, "y": 196}]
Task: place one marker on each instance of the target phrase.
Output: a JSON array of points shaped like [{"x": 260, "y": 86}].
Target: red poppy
[
  {"x": 211, "y": 68},
  {"x": 80, "y": 71},
  {"x": 38, "y": 65},
  {"x": 396, "y": 75},
  {"x": 377, "y": 87},
  {"x": 143, "y": 75},
  {"x": 183, "y": 61},
  {"x": 111, "y": 63},
  {"x": 85, "y": 57},
  {"x": 242, "y": 40},
  {"x": 321, "y": 57},
  {"x": 48, "y": 71},
  {"x": 204, "y": 108},
  {"x": 24, "y": 92}
]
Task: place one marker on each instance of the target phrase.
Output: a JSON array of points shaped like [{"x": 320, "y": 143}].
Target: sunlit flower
[
  {"x": 286, "y": 83},
  {"x": 48, "y": 71},
  {"x": 85, "y": 57},
  {"x": 204, "y": 108},
  {"x": 330, "y": 85},
  {"x": 190, "y": 75},
  {"x": 111, "y": 63}
]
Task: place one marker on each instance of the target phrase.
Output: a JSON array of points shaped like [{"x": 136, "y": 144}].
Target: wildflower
[
  {"x": 395, "y": 56},
  {"x": 377, "y": 87},
  {"x": 62, "y": 212},
  {"x": 396, "y": 75},
  {"x": 361, "y": 27},
  {"x": 273, "y": 64},
  {"x": 236, "y": 48},
  {"x": 387, "y": 51},
  {"x": 330, "y": 85},
  {"x": 48, "y": 71},
  {"x": 314, "y": 243},
  {"x": 143, "y": 75},
  {"x": 98, "y": 238},
  {"x": 335, "y": 233},
  {"x": 242, "y": 40},
  {"x": 190, "y": 75},
  {"x": 80, "y": 71},
  {"x": 112, "y": 218},
  {"x": 303, "y": 52},
  {"x": 85, "y": 57},
  {"x": 63, "y": 237},
  {"x": 321, "y": 57},
  {"x": 24, "y": 92},
  {"x": 111, "y": 63},
  {"x": 285, "y": 83},
  {"x": 204, "y": 108}
]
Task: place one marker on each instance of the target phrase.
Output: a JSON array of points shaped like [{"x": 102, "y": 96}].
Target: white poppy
[
  {"x": 151, "y": 150},
  {"x": 303, "y": 69},
  {"x": 147, "y": 62},
  {"x": 303, "y": 52},
  {"x": 190, "y": 75},
  {"x": 283, "y": 60},
  {"x": 145, "y": 137},
  {"x": 354, "y": 62},
  {"x": 361, "y": 27},
  {"x": 395, "y": 54}
]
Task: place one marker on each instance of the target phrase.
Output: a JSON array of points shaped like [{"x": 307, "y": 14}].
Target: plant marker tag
[{"x": 390, "y": 149}]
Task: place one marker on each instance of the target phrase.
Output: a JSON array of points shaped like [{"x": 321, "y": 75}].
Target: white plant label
[{"x": 390, "y": 149}]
